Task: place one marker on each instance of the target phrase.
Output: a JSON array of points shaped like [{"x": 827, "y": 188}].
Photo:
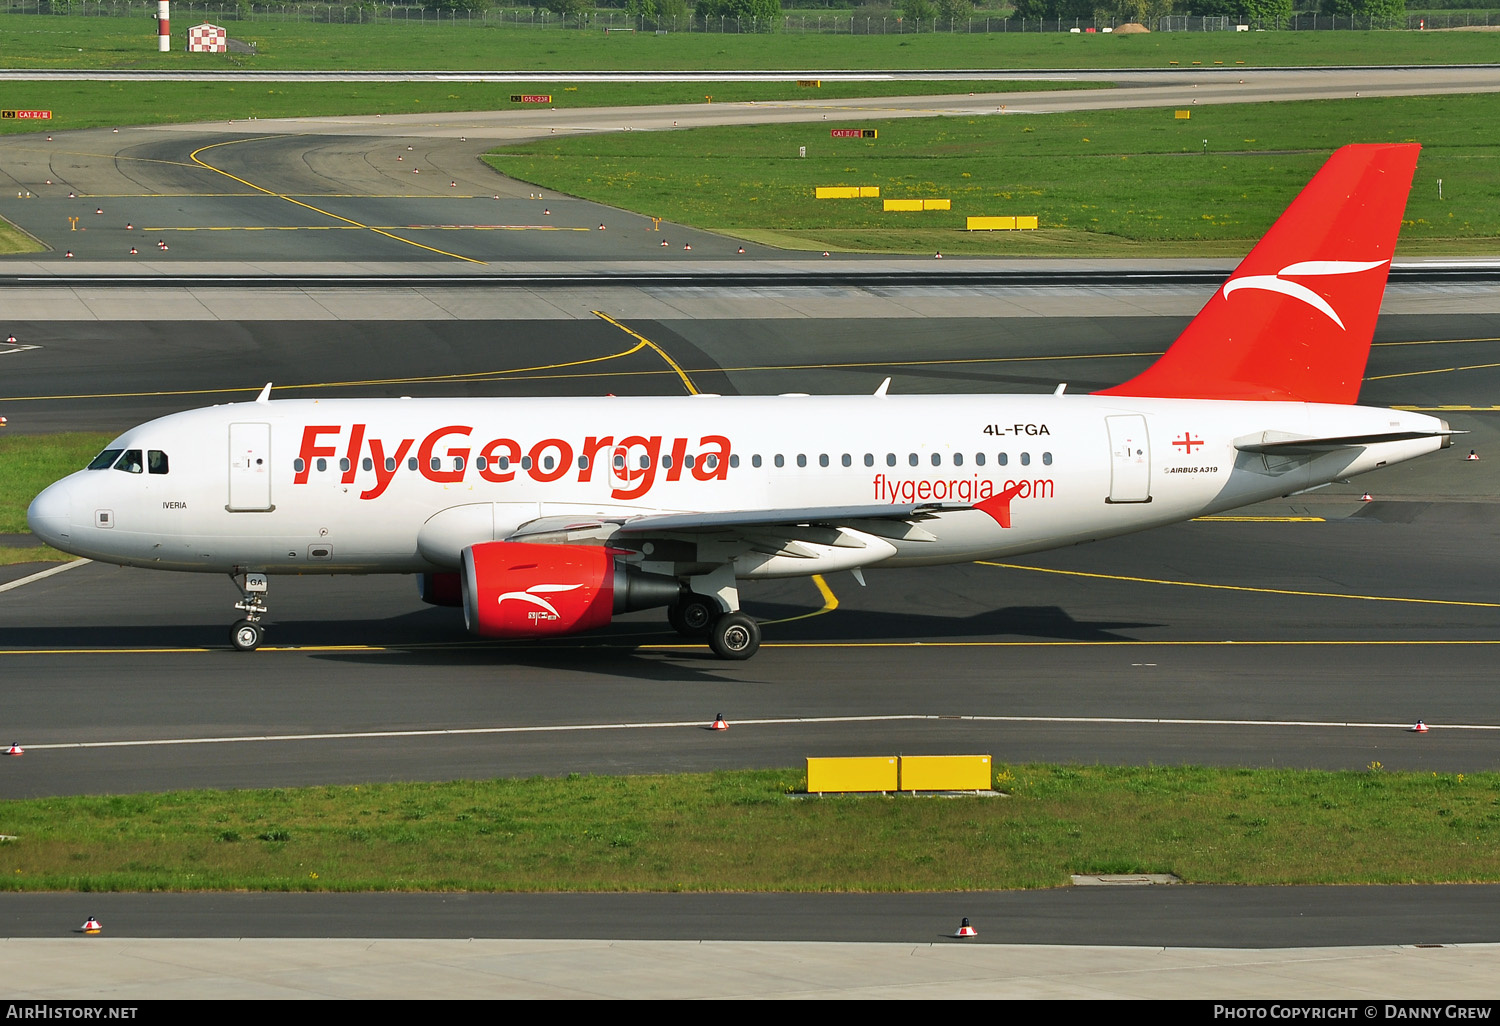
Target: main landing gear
[
  {"x": 731, "y": 634},
  {"x": 247, "y": 634}
]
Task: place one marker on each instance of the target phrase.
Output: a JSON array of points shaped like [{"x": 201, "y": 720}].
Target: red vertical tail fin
[{"x": 1295, "y": 320}]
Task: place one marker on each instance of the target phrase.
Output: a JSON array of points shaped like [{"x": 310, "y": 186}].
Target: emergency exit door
[
  {"x": 249, "y": 468},
  {"x": 1130, "y": 459}
]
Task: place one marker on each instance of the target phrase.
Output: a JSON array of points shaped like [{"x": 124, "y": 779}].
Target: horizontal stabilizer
[{"x": 1282, "y": 445}]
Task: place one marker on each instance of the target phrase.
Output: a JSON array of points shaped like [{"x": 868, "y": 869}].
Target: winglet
[
  {"x": 885, "y": 386},
  {"x": 1295, "y": 320},
  {"x": 265, "y": 394}
]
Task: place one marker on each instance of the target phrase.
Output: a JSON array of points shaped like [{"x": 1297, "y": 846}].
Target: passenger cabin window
[
  {"x": 105, "y": 459},
  {"x": 156, "y": 462},
  {"x": 130, "y": 462},
  {"x": 1047, "y": 458}
]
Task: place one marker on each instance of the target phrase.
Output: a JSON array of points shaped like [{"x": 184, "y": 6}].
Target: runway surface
[{"x": 1311, "y": 635}]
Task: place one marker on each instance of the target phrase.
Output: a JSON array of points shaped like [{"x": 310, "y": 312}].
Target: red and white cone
[
  {"x": 1420, "y": 728},
  {"x": 1367, "y": 497},
  {"x": 10, "y": 338},
  {"x": 719, "y": 723},
  {"x": 1472, "y": 456},
  {"x": 663, "y": 242},
  {"x": 15, "y": 749},
  {"x": 92, "y": 926},
  {"x": 601, "y": 226},
  {"x": 687, "y": 245},
  {"x": 966, "y": 930}
]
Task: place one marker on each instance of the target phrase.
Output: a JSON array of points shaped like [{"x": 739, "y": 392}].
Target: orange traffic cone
[
  {"x": 92, "y": 926},
  {"x": 1420, "y": 728},
  {"x": 742, "y": 249},
  {"x": 15, "y": 749},
  {"x": 966, "y": 930},
  {"x": 719, "y": 723}
]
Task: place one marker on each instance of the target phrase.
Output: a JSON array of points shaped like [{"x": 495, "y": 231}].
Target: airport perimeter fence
[{"x": 833, "y": 23}]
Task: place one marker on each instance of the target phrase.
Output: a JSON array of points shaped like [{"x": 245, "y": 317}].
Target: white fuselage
[{"x": 335, "y": 486}]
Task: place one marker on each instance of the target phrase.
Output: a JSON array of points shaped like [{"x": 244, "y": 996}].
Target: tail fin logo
[{"x": 1295, "y": 290}]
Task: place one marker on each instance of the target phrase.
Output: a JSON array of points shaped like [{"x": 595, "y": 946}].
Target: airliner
[{"x": 548, "y": 516}]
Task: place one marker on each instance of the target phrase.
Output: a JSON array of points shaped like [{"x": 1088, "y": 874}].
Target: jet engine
[
  {"x": 522, "y": 590},
  {"x": 440, "y": 589}
]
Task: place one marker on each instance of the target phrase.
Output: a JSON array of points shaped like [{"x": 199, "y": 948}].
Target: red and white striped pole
[{"x": 163, "y": 32}]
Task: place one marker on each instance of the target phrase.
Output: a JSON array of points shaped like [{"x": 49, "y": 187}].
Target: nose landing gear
[{"x": 247, "y": 634}]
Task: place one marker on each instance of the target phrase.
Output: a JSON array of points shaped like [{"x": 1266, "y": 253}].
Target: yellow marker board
[
  {"x": 945, "y": 773},
  {"x": 1184, "y": 115},
  {"x": 880, "y": 773}
]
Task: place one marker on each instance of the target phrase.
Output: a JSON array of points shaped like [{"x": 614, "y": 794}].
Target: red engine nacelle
[{"x": 522, "y": 590}]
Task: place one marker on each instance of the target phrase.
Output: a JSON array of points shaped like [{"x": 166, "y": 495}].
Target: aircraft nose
[{"x": 49, "y": 514}]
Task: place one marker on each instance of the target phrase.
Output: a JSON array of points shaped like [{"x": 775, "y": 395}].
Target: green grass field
[
  {"x": 747, "y": 831},
  {"x": 29, "y": 463},
  {"x": 1104, "y": 183},
  {"x": 119, "y": 43}
]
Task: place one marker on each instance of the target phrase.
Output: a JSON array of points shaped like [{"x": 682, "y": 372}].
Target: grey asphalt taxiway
[{"x": 1313, "y": 634}]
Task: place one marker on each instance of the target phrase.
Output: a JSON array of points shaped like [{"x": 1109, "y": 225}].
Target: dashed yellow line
[
  {"x": 687, "y": 382},
  {"x": 337, "y": 217},
  {"x": 1242, "y": 587}
]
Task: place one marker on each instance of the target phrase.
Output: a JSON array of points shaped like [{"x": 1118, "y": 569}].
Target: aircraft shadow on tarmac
[{"x": 630, "y": 648}]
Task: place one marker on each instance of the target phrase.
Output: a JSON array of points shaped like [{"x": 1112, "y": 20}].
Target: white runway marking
[
  {"x": 383, "y": 735},
  {"x": 45, "y": 573}
]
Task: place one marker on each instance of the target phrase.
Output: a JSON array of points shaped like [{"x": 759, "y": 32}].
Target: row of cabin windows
[
  {"x": 130, "y": 461},
  {"x": 711, "y": 461}
]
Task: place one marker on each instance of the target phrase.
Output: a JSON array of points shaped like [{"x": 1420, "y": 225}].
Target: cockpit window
[
  {"x": 105, "y": 459},
  {"x": 130, "y": 462},
  {"x": 156, "y": 461}
]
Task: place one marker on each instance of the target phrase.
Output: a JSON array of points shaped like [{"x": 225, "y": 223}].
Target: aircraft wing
[{"x": 811, "y": 516}]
